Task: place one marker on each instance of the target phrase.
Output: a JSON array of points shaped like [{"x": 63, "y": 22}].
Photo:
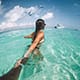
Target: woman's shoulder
[{"x": 41, "y": 33}]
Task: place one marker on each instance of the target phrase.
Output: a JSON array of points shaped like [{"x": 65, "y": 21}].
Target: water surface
[{"x": 61, "y": 51}]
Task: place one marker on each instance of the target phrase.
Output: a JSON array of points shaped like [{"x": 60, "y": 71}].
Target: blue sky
[{"x": 17, "y": 13}]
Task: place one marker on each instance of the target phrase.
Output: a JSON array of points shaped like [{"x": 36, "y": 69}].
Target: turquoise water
[{"x": 61, "y": 51}]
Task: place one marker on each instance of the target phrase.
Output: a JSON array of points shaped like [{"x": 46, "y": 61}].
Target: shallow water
[{"x": 61, "y": 51}]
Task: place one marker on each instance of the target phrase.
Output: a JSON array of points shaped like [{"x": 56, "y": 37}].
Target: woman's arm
[
  {"x": 14, "y": 73},
  {"x": 29, "y": 36},
  {"x": 34, "y": 44}
]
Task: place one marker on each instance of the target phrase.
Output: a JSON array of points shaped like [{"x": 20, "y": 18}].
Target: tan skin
[{"x": 40, "y": 36}]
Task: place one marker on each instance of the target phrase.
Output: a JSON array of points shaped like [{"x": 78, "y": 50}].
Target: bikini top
[{"x": 41, "y": 41}]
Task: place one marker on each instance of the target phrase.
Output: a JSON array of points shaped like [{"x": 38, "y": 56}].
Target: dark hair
[{"x": 40, "y": 23}]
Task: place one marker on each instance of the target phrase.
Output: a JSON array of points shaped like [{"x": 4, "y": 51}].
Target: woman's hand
[{"x": 18, "y": 63}]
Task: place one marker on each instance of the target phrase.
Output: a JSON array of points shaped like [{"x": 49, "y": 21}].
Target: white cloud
[
  {"x": 19, "y": 12},
  {"x": 0, "y": 2},
  {"x": 25, "y": 24},
  {"x": 13, "y": 24},
  {"x": 32, "y": 10},
  {"x": 48, "y": 15},
  {"x": 7, "y": 24},
  {"x": 15, "y": 14}
]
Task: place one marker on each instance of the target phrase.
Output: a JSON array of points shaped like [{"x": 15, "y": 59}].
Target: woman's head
[{"x": 40, "y": 24}]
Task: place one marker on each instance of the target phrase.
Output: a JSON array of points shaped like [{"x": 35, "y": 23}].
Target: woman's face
[
  {"x": 40, "y": 24},
  {"x": 43, "y": 26}
]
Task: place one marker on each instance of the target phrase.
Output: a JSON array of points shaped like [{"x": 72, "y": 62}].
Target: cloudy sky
[{"x": 17, "y": 13}]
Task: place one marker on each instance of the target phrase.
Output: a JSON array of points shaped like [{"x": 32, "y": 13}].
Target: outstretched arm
[
  {"x": 29, "y": 36},
  {"x": 34, "y": 44},
  {"x": 14, "y": 73}
]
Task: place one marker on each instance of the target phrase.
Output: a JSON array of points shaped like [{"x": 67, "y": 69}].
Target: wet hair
[{"x": 40, "y": 23}]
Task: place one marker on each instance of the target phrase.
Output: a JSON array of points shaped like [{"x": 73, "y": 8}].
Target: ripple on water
[{"x": 61, "y": 55}]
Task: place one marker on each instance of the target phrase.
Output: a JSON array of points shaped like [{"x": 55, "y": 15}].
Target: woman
[{"x": 37, "y": 38}]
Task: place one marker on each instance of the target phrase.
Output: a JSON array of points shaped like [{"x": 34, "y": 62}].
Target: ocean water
[{"x": 61, "y": 52}]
